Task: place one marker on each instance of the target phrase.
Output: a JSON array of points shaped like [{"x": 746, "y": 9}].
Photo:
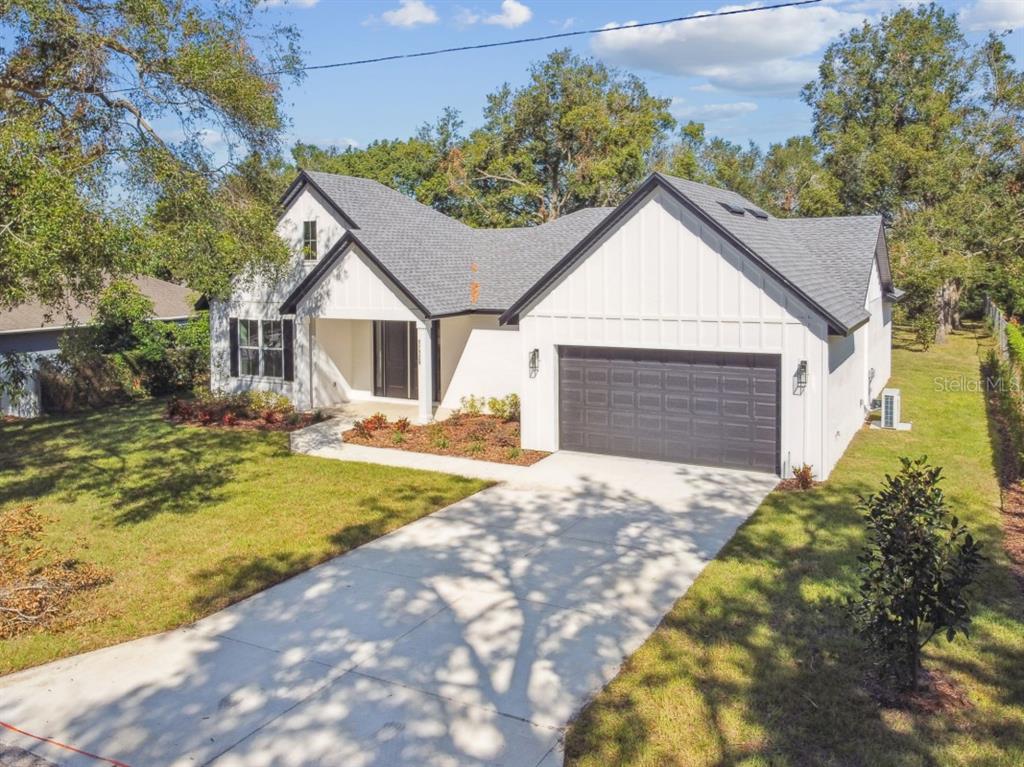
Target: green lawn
[
  {"x": 188, "y": 520},
  {"x": 756, "y": 666}
]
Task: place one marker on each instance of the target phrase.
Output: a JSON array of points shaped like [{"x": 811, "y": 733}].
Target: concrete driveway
[{"x": 469, "y": 637}]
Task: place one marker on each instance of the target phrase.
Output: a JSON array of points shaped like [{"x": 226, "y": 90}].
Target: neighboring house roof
[
  {"x": 446, "y": 267},
  {"x": 826, "y": 261},
  {"x": 170, "y": 301}
]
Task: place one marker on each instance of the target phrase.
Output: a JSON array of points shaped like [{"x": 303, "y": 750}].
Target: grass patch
[
  {"x": 756, "y": 665},
  {"x": 187, "y": 520}
]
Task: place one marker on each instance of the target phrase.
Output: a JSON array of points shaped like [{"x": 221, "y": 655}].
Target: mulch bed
[
  {"x": 249, "y": 424},
  {"x": 792, "y": 485},
  {"x": 483, "y": 437},
  {"x": 937, "y": 693}
]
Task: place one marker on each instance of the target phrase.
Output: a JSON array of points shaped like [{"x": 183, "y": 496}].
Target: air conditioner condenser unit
[{"x": 891, "y": 411}]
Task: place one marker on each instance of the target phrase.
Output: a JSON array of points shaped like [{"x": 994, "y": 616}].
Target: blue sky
[{"x": 740, "y": 75}]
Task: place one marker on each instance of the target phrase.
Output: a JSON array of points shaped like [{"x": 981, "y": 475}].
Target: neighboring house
[
  {"x": 35, "y": 329},
  {"x": 685, "y": 324}
]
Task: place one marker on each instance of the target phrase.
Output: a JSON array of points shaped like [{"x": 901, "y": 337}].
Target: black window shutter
[
  {"x": 233, "y": 343},
  {"x": 288, "y": 326}
]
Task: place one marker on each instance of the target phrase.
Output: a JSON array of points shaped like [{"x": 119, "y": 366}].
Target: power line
[
  {"x": 522, "y": 40},
  {"x": 556, "y": 36}
]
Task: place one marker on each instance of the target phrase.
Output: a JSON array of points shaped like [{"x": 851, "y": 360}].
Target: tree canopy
[{"x": 121, "y": 129}]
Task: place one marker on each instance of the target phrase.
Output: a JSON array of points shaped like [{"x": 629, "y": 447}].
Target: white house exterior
[{"x": 685, "y": 324}]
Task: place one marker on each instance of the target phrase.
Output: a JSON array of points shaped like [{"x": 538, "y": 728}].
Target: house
[
  {"x": 36, "y": 329},
  {"x": 685, "y": 324}
]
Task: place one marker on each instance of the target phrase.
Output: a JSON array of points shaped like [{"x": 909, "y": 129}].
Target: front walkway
[{"x": 468, "y": 637}]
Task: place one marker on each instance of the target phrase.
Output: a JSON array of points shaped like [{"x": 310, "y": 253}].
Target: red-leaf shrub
[
  {"x": 402, "y": 425},
  {"x": 376, "y": 421}
]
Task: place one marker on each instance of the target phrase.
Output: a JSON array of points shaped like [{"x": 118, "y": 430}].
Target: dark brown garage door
[{"x": 692, "y": 407}]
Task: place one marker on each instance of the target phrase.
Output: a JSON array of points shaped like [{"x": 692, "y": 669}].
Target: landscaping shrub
[
  {"x": 471, "y": 405},
  {"x": 376, "y": 422},
  {"x": 804, "y": 476},
  {"x": 1015, "y": 341},
  {"x": 361, "y": 429},
  {"x": 915, "y": 572},
  {"x": 505, "y": 408},
  {"x": 229, "y": 409},
  {"x": 402, "y": 425}
]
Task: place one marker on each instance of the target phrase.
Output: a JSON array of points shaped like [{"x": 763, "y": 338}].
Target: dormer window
[{"x": 309, "y": 240}]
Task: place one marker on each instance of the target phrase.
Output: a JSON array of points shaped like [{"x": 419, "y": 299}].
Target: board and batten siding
[
  {"x": 352, "y": 290},
  {"x": 663, "y": 279}
]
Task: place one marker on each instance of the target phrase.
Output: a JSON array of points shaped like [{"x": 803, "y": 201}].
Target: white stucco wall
[
  {"x": 851, "y": 386},
  {"x": 664, "y": 280},
  {"x": 480, "y": 359},
  {"x": 847, "y": 393}
]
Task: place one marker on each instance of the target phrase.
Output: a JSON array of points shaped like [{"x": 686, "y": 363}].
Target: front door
[{"x": 394, "y": 354}]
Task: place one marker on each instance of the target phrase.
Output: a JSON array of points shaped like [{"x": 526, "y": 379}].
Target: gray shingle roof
[
  {"x": 437, "y": 259},
  {"x": 827, "y": 259}
]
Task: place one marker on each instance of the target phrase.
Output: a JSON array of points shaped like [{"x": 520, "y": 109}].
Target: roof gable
[{"x": 826, "y": 262}]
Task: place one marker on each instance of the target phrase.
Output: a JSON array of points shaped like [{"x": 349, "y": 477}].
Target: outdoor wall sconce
[
  {"x": 534, "y": 362},
  {"x": 800, "y": 378}
]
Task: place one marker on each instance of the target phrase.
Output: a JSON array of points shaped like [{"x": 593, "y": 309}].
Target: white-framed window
[
  {"x": 261, "y": 348},
  {"x": 309, "y": 240}
]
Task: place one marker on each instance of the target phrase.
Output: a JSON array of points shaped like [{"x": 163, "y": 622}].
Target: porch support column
[{"x": 425, "y": 366}]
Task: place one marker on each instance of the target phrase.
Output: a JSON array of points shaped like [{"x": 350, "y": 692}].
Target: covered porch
[
  {"x": 362, "y": 338},
  {"x": 409, "y": 369}
]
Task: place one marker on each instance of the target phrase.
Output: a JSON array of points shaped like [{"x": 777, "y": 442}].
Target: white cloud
[
  {"x": 211, "y": 139},
  {"x": 767, "y": 51},
  {"x": 513, "y": 14},
  {"x": 466, "y": 17},
  {"x": 710, "y": 112},
  {"x": 995, "y": 15},
  {"x": 409, "y": 13}
]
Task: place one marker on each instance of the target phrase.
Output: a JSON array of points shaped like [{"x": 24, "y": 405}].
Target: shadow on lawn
[
  {"x": 128, "y": 456},
  {"x": 460, "y": 581},
  {"x": 803, "y": 680}
]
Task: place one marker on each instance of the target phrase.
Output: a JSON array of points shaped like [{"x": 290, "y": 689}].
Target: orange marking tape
[{"x": 57, "y": 743}]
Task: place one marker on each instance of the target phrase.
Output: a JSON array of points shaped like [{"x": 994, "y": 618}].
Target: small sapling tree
[{"x": 915, "y": 572}]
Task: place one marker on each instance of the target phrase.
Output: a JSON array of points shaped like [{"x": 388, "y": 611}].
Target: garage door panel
[
  {"x": 716, "y": 409},
  {"x": 646, "y": 400},
  {"x": 706, "y": 406},
  {"x": 676, "y": 404},
  {"x": 737, "y": 408}
]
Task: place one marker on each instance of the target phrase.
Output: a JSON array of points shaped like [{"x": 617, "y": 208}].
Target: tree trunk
[{"x": 948, "y": 307}]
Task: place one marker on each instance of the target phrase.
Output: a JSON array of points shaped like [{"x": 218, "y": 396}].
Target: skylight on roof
[
  {"x": 731, "y": 208},
  {"x": 758, "y": 213}
]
